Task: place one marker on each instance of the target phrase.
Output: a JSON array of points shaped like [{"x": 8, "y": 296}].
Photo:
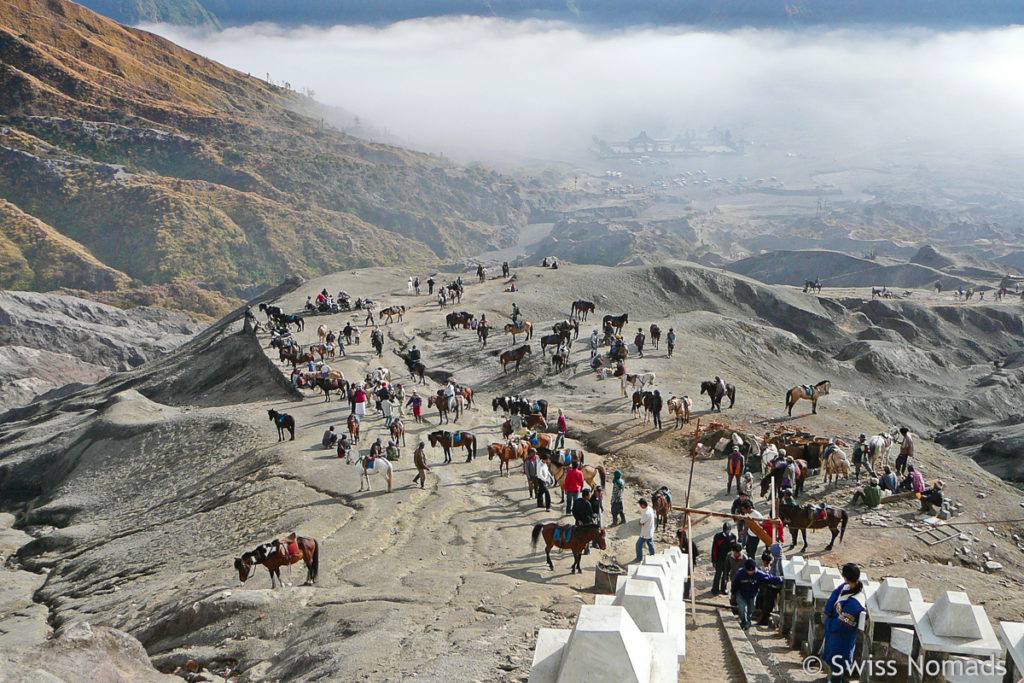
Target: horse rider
[
  {"x": 906, "y": 451},
  {"x": 583, "y": 513},
  {"x": 639, "y": 340},
  {"x": 671, "y": 340},
  {"x": 515, "y": 314},
  {"x": 449, "y": 394},
  {"x": 375, "y": 451},
  {"x": 414, "y": 356},
  {"x": 543, "y": 482},
  {"x": 788, "y": 499}
]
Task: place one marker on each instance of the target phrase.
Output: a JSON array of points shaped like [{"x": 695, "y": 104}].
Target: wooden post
[
  {"x": 773, "y": 514},
  {"x": 689, "y": 526}
]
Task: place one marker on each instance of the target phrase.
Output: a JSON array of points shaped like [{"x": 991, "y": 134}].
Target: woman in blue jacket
[{"x": 842, "y": 616}]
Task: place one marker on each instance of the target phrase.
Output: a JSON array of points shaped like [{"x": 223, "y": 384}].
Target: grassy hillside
[{"x": 165, "y": 167}]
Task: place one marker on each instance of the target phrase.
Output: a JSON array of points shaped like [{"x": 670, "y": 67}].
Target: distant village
[{"x": 686, "y": 144}]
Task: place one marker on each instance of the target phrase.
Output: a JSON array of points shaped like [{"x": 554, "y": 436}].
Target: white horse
[
  {"x": 379, "y": 375},
  {"x": 834, "y": 464},
  {"x": 880, "y": 445},
  {"x": 638, "y": 382},
  {"x": 381, "y": 465}
]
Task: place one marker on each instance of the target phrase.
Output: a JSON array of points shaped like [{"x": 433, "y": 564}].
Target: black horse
[
  {"x": 329, "y": 384},
  {"x": 271, "y": 310},
  {"x": 282, "y": 421},
  {"x": 716, "y": 393},
  {"x": 517, "y": 405},
  {"x": 284, "y": 320}
]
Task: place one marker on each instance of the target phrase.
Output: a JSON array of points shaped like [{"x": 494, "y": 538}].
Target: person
[
  {"x": 391, "y": 451},
  {"x": 387, "y": 409},
  {"x": 842, "y": 618},
  {"x": 330, "y": 438},
  {"x": 417, "y": 406},
  {"x": 347, "y": 332},
  {"x": 430, "y": 286},
  {"x": 572, "y": 486},
  {"x": 414, "y": 355},
  {"x": 887, "y": 482},
  {"x": 690, "y": 548},
  {"x": 656, "y": 405},
  {"x": 912, "y": 482},
  {"x": 597, "y": 503},
  {"x": 369, "y": 317},
  {"x": 515, "y": 314},
  {"x": 419, "y": 459},
  {"x": 449, "y": 394},
  {"x": 409, "y": 288},
  {"x": 906, "y": 451},
  {"x": 639, "y": 340},
  {"x": 343, "y": 445},
  {"x": 543, "y": 482},
  {"x": 746, "y": 483},
  {"x": 671, "y": 340},
  {"x": 932, "y": 497},
  {"x": 618, "y": 487},
  {"x": 860, "y": 457},
  {"x": 530, "y": 469},
  {"x": 750, "y": 540},
  {"x": 788, "y": 499},
  {"x": 746, "y": 585},
  {"x": 504, "y": 268},
  {"x": 735, "y": 559},
  {"x": 582, "y": 510},
  {"x": 359, "y": 398},
  {"x": 376, "y": 448},
  {"x": 721, "y": 544},
  {"x": 646, "y": 537},
  {"x": 768, "y": 594},
  {"x": 563, "y": 426},
  {"x": 870, "y": 494},
  {"x": 515, "y": 423},
  {"x": 594, "y": 342},
  {"x": 789, "y": 478},
  {"x": 734, "y": 468},
  {"x": 416, "y": 285}
]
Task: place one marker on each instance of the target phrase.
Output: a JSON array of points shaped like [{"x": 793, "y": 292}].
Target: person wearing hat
[
  {"x": 417, "y": 405},
  {"x": 721, "y": 544},
  {"x": 594, "y": 342},
  {"x": 646, "y": 537},
  {"x": 746, "y": 585},
  {"x": 618, "y": 486},
  {"x": 932, "y": 497},
  {"x": 419, "y": 458},
  {"x": 639, "y": 340},
  {"x": 860, "y": 457},
  {"x": 870, "y": 494},
  {"x": 734, "y": 468},
  {"x": 842, "y": 617}
]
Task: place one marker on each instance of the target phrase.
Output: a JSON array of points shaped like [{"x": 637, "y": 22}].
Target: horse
[
  {"x": 517, "y": 405},
  {"x": 642, "y": 399},
  {"x": 467, "y": 395},
  {"x": 533, "y": 422},
  {"x": 716, "y": 394},
  {"x": 397, "y": 429},
  {"x": 655, "y": 335},
  {"x": 812, "y": 286},
  {"x": 271, "y": 311},
  {"x": 661, "y": 502},
  {"x": 353, "y": 427},
  {"x": 390, "y": 312},
  {"x": 506, "y": 452},
  {"x": 680, "y": 407},
  {"x": 581, "y": 308},
  {"x": 835, "y": 463},
  {"x": 280, "y": 553},
  {"x": 481, "y": 333},
  {"x": 282, "y": 421},
  {"x": 381, "y": 465},
  {"x": 324, "y": 350},
  {"x": 616, "y": 322},
  {"x": 591, "y": 473},
  {"x": 566, "y": 327},
  {"x": 555, "y": 340},
  {"x": 440, "y": 401},
  {"x": 321, "y": 333},
  {"x": 812, "y": 394},
  {"x": 804, "y": 518},
  {"x": 525, "y": 327},
  {"x": 459, "y": 439},
  {"x": 560, "y": 360},
  {"x": 284, "y": 320},
  {"x": 417, "y": 369},
  {"x": 644, "y": 379},
  {"x": 581, "y": 537},
  {"x": 454, "y": 320},
  {"x": 879, "y": 445},
  {"x": 328, "y": 384},
  {"x": 778, "y": 473},
  {"x": 515, "y": 355}
]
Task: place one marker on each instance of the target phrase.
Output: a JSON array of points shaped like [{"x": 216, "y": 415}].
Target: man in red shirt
[
  {"x": 572, "y": 486},
  {"x": 563, "y": 425}
]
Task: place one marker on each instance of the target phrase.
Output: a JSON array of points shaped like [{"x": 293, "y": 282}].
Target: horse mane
[{"x": 824, "y": 381}]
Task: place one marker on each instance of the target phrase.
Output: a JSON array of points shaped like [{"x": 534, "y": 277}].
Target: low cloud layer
[{"x": 482, "y": 87}]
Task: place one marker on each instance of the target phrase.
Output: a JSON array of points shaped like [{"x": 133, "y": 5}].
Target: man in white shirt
[
  {"x": 646, "y": 531},
  {"x": 449, "y": 394}
]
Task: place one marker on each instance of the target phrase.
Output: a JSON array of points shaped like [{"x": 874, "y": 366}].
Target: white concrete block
[
  {"x": 825, "y": 583},
  {"x": 791, "y": 566},
  {"x": 805, "y": 576},
  {"x": 657, "y": 574},
  {"x": 645, "y": 604},
  {"x": 677, "y": 569},
  {"x": 1011, "y": 635},
  {"x": 953, "y": 615},
  {"x": 890, "y": 603},
  {"x": 963, "y": 670},
  {"x": 605, "y": 639},
  {"x": 953, "y": 625},
  {"x": 902, "y": 640},
  {"x": 547, "y": 656}
]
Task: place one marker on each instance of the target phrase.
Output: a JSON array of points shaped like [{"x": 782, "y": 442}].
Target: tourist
[
  {"x": 734, "y": 468},
  {"x": 746, "y": 584},
  {"x": 430, "y": 286},
  {"x": 563, "y": 425},
  {"x": 721, "y": 545},
  {"x": 735, "y": 559},
  {"x": 646, "y": 537},
  {"x": 870, "y": 494},
  {"x": 329, "y": 438},
  {"x": 572, "y": 486},
  {"x": 842, "y": 618},
  {"x": 359, "y": 398},
  {"x": 419, "y": 459},
  {"x": 416, "y": 285},
  {"x": 618, "y": 486},
  {"x": 417, "y": 406},
  {"x": 543, "y": 482}
]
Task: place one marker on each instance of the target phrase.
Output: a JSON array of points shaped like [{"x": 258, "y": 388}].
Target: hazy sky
[{"x": 482, "y": 86}]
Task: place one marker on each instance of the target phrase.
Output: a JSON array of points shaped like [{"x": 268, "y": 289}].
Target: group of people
[{"x": 325, "y": 303}]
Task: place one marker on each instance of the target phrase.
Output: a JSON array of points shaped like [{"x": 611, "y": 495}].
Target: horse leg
[
  {"x": 547, "y": 551},
  {"x": 814, "y": 406},
  {"x": 835, "y": 532},
  {"x": 803, "y": 532}
]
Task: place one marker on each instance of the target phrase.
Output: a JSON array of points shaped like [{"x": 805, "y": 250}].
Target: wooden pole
[
  {"x": 754, "y": 523},
  {"x": 689, "y": 526}
]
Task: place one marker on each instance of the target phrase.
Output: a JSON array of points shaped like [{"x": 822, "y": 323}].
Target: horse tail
[
  {"x": 314, "y": 568},
  {"x": 787, "y": 398},
  {"x": 842, "y": 527},
  {"x": 600, "y": 471},
  {"x": 537, "y": 528}
]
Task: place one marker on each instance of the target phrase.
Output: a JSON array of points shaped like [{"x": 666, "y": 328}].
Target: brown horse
[
  {"x": 777, "y": 475},
  {"x": 529, "y": 421},
  {"x": 279, "y": 553},
  {"x": 397, "y": 429},
  {"x": 514, "y": 355},
  {"x": 555, "y": 340},
  {"x": 560, "y": 360},
  {"x": 806, "y": 517},
  {"x": 447, "y": 440},
  {"x": 661, "y": 502},
  {"x": 616, "y": 321},
  {"x": 525, "y": 327},
  {"x": 390, "y": 312},
  {"x": 467, "y": 395},
  {"x": 591, "y": 473},
  {"x": 507, "y": 452},
  {"x": 581, "y": 309},
  {"x": 809, "y": 393},
  {"x": 655, "y": 335},
  {"x": 644, "y": 400},
  {"x": 581, "y": 537},
  {"x": 324, "y": 350},
  {"x": 353, "y": 427},
  {"x": 680, "y": 407},
  {"x": 441, "y": 403}
]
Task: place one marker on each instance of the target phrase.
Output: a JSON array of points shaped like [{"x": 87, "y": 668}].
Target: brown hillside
[{"x": 166, "y": 166}]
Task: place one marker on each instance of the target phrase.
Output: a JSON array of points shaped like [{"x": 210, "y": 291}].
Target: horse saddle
[
  {"x": 368, "y": 462},
  {"x": 447, "y": 435},
  {"x": 289, "y": 546},
  {"x": 456, "y": 437},
  {"x": 563, "y": 532},
  {"x": 566, "y": 457},
  {"x": 807, "y": 389}
]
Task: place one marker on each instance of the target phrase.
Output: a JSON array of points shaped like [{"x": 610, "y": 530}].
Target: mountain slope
[{"x": 167, "y": 167}]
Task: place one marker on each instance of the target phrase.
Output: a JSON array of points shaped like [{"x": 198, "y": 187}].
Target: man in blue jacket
[
  {"x": 745, "y": 587},
  {"x": 842, "y": 616}
]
